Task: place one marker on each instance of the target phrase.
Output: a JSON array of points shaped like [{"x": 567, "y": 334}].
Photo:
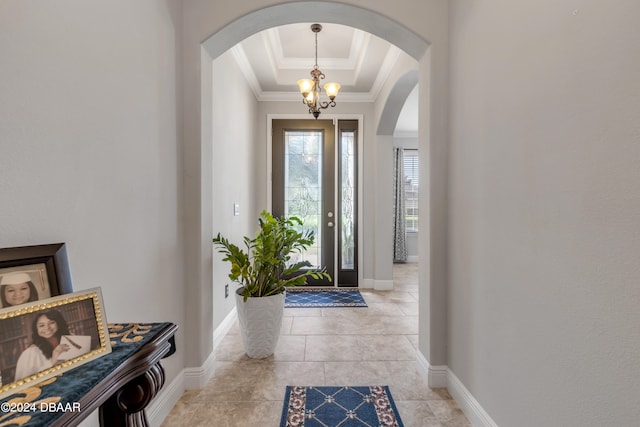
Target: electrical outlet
[
  {"x": 226, "y": 290},
  {"x": 236, "y": 209}
]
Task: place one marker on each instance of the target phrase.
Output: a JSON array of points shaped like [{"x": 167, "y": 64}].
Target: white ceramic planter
[{"x": 260, "y": 322}]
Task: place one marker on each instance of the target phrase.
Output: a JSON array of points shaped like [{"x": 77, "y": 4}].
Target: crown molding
[
  {"x": 273, "y": 46},
  {"x": 241, "y": 59},
  {"x": 244, "y": 64},
  {"x": 296, "y": 97},
  {"x": 390, "y": 60}
]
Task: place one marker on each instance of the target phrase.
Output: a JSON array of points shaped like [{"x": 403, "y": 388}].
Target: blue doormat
[
  {"x": 339, "y": 406},
  {"x": 309, "y": 298}
]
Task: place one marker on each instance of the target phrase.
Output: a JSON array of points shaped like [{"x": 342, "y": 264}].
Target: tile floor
[{"x": 325, "y": 346}]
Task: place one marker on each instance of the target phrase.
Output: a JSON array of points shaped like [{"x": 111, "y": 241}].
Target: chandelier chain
[{"x": 311, "y": 89}]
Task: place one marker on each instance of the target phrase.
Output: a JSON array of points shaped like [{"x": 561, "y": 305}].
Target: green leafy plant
[{"x": 264, "y": 266}]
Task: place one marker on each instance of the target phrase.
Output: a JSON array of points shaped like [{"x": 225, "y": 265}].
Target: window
[{"x": 411, "y": 189}]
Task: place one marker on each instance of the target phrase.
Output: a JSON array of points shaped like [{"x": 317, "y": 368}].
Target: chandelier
[{"x": 310, "y": 88}]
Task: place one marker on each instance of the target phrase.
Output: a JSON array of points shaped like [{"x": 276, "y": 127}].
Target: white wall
[
  {"x": 89, "y": 151},
  {"x": 237, "y": 159},
  {"x": 545, "y": 210},
  {"x": 89, "y": 146}
]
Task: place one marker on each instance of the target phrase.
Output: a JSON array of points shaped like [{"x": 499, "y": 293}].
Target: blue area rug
[
  {"x": 339, "y": 406},
  {"x": 309, "y": 298}
]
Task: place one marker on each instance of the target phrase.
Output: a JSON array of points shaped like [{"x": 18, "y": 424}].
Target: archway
[
  {"x": 396, "y": 99},
  {"x": 387, "y": 121},
  {"x": 197, "y": 137}
]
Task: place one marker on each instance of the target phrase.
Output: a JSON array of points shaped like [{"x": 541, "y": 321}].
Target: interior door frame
[{"x": 360, "y": 145}]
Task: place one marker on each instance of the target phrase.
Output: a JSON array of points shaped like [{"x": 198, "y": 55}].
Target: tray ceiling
[{"x": 273, "y": 60}]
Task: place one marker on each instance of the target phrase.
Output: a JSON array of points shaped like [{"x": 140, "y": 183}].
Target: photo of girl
[
  {"x": 17, "y": 288},
  {"x": 21, "y": 286},
  {"x": 47, "y": 330},
  {"x": 48, "y": 336}
]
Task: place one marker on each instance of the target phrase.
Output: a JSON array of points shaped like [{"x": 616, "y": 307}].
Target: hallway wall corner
[{"x": 443, "y": 377}]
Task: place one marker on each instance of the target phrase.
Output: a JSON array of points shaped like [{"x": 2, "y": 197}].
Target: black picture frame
[{"x": 53, "y": 256}]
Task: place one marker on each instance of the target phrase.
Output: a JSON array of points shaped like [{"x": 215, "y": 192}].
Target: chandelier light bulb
[
  {"x": 310, "y": 98},
  {"x": 332, "y": 90},
  {"x": 305, "y": 86}
]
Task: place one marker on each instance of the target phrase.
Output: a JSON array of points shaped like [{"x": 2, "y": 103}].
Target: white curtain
[{"x": 399, "y": 226}]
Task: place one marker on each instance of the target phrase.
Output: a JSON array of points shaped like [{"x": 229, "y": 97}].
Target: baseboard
[
  {"x": 189, "y": 378},
  {"x": 442, "y": 376},
  {"x": 367, "y": 284},
  {"x": 166, "y": 399},
  {"x": 469, "y": 405},
  {"x": 195, "y": 378},
  {"x": 378, "y": 285},
  {"x": 436, "y": 376},
  {"x": 221, "y": 331},
  {"x": 383, "y": 285}
]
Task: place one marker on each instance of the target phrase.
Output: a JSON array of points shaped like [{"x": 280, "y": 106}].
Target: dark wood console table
[{"x": 121, "y": 383}]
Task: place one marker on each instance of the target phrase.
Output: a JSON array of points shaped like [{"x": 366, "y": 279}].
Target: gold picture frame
[{"x": 45, "y": 338}]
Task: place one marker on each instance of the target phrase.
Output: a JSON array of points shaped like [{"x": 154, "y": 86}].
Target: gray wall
[
  {"x": 532, "y": 241},
  {"x": 236, "y": 160},
  {"x": 545, "y": 210},
  {"x": 89, "y": 152}
]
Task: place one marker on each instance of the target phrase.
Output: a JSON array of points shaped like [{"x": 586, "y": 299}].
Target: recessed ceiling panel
[
  {"x": 298, "y": 41},
  {"x": 273, "y": 60}
]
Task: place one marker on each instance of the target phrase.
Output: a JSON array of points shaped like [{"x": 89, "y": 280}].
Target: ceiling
[{"x": 273, "y": 60}]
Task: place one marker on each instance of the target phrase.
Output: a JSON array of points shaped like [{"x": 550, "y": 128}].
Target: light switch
[{"x": 236, "y": 209}]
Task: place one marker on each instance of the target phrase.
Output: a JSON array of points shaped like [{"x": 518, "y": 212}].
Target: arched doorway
[{"x": 197, "y": 136}]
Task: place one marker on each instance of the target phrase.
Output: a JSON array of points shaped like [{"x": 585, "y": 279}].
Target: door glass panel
[
  {"x": 303, "y": 186},
  {"x": 347, "y": 177}
]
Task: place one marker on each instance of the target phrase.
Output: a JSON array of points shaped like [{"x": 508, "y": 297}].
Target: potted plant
[{"x": 263, "y": 269}]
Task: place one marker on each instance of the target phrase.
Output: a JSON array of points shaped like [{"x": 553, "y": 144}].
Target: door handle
[{"x": 330, "y": 224}]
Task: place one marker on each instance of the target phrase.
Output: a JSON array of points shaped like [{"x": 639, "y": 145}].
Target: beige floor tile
[
  {"x": 356, "y": 373},
  {"x": 413, "y": 339},
  {"x": 325, "y": 346},
  {"x": 407, "y": 384},
  {"x": 316, "y": 326},
  {"x": 408, "y": 308},
  {"x": 230, "y": 348},
  {"x": 286, "y": 325},
  {"x": 235, "y": 414},
  {"x": 371, "y": 296},
  {"x": 358, "y": 313},
  {"x": 303, "y": 312},
  {"x": 416, "y": 413},
  {"x": 332, "y": 348},
  {"x": 272, "y": 385},
  {"x": 448, "y": 411},
  {"x": 386, "y": 347}
]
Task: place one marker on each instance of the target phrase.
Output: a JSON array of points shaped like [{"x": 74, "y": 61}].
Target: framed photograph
[
  {"x": 33, "y": 273},
  {"x": 45, "y": 338}
]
